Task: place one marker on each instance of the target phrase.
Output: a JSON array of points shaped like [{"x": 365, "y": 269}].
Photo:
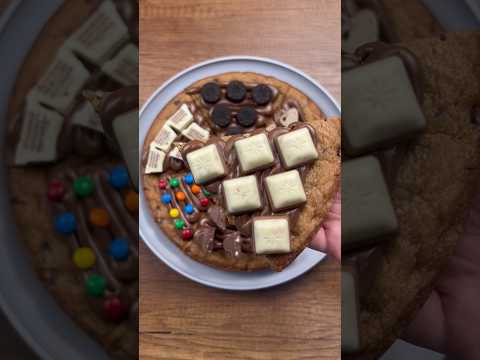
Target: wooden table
[{"x": 180, "y": 319}]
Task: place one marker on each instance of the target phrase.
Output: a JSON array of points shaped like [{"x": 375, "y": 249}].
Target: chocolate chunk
[
  {"x": 262, "y": 94},
  {"x": 221, "y": 116},
  {"x": 210, "y": 93},
  {"x": 236, "y": 91},
  {"x": 232, "y": 244},
  {"x": 247, "y": 116},
  {"x": 205, "y": 237},
  {"x": 216, "y": 215},
  {"x": 234, "y": 130}
]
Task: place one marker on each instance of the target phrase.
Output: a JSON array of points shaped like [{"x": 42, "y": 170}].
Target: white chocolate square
[
  {"x": 297, "y": 148},
  {"x": 181, "y": 119},
  {"x": 156, "y": 159},
  {"x": 285, "y": 190},
  {"x": 196, "y": 132},
  {"x": 241, "y": 194},
  {"x": 271, "y": 235},
  {"x": 124, "y": 66},
  {"x": 165, "y": 137},
  {"x": 206, "y": 164},
  {"x": 254, "y": 152}
]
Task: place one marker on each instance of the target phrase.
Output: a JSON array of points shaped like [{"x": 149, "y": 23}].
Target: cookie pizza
[
  {"x": 240, "y": 169},
  {"x": 73, "y": 200}
]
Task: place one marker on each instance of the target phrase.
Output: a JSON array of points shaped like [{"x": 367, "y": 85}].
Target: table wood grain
[{"x": 180, "y": 319}]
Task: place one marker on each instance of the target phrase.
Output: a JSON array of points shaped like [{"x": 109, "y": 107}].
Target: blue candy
[
  {"x": 65, "y": 223},
  {"x": 119, "y": 177},
  {"x": 119, "y": 249},
  {"x": 188, "y": 209},
  {"x": 166, "y": 199},
  {"x": 188, "y": 179}
]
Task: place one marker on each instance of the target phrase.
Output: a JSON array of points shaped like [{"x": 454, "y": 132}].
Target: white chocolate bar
[
  {"x": 285, "y": 190},
  {"x": 156, "y": 159},
  {"x": 124, "y": 66},
  {"x": 99, "y": 37},
  {"x": 38, "y": 135},
  {"x": 254, "y": 152},
  {"x": 271, "y": 235},
  {"x": 61, "y": 83},
  {"x": 206, "y": 164},
  {"x": 165, "y": 137},
  {"x": 175, "y": 153},
  {"x": 241, "y": 194},
  {"x": 86, "y": 116},
  {"x": 297, "y": 148},
  {"x": 181, "y": 119},
  {"x": 196, "y": 132}
]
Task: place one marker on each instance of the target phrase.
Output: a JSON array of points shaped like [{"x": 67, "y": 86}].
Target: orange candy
[
  {"x": 180, "y": 196},
  {"x": 131, "y": 201},
  {"x": 99, "y": 217},
  {"x": 196, "y": 189}
]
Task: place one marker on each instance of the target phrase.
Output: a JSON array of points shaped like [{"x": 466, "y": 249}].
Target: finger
[
  {"x": 319, "y": 242},
  {"x": 428, "y": 328}
]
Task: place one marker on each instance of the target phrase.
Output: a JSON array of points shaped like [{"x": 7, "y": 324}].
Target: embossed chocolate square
[
  {"x": 350, "y": 331},
  {"x": 380, "y": 107},
  {"x": 271, "y": 235},
  {"x": 367, "y": 211},
  {"x": 254, "y": 153},
  {"x": 285, "y": 190},
  {"x": 296, "y": 148},
  {"x": 206, "y": 164},
  {"x": 241, "y": 194}
]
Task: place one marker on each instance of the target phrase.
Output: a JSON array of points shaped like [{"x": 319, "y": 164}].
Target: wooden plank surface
[{"x": 183, "y": 320}]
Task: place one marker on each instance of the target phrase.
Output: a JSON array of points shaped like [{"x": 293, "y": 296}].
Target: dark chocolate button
[
  {"x": 247, "y": 116},
  {"x": 262, "y": 94},
  {"x": 236, "y": 91},
  {"x": 210, "y": 93},
  {"x": 234, "y": 130},
  {"x": 221, "y": 115}
]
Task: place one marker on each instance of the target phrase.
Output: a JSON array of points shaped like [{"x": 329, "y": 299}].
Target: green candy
[
  {"x": 83, "y": 186},
  {"x": 95, "y": 285},
  {"x": 174, "y": 182},
  {"x": 179, "y": 224},
  {"x": 206, "y": 192}
]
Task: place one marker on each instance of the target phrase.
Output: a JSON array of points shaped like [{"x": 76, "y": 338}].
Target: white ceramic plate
[{"x": 150, "y": 232}]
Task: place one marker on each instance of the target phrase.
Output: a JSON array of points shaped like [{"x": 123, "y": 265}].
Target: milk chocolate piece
[
  {"x": 236, "y": 91},
  {"x": 367, "y": 212},
  {"x": 350, "y": 311},
  {"x": 380, "y": 107}
]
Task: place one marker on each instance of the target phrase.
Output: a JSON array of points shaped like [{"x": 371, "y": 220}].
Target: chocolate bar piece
[
  {"x": 380, "y": 107},
  {"x": 271, "y": 234},
  {"x": 350, "y": 330},
  {"x": 285, "y": 190},
  {"x": 367, "y": 211},
  {"x": 206, "y": 164},
  {"x": 241, "y": 194}
]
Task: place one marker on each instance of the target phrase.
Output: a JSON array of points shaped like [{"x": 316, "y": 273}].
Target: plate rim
[{"x": 148, "y": 102}]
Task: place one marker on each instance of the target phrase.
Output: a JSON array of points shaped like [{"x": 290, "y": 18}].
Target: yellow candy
[
  {"x": 131, "y": 201},
  {"x": 174, "y": 213},
  {"x": 84, "y": 258},
  {"x": 99, "y": 217}
]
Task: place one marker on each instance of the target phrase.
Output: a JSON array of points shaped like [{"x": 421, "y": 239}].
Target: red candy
[
  {"x": 187, "y": 234},
  {"x": 114, "y": 309},
  {"x": 56, "y": 190},
  {"x": 204, "y": 202},
  {"x": 162, "y": 184}
]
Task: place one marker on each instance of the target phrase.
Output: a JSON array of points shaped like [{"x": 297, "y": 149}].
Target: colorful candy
[
  {"x": 131, "y": 201},
  {"x": 196, "y": 189},
  {"x": 83, "y": 186},
  {"x": 174, "y": 213},
  {"x": 188, "y": 179},
  {"x": 84, "y": 258},
  {"x": 95, "y": 285},
  {"x": 179, "y": 224},
  {"x": 188, "y": 209},
  {"x": 56, "y": 190},
  {"x": 206, "y": 192},
  {"x": 174, "y": 182},
  {"x": 65, "y": 223},
  {"x": 99, "y": 217},
  {"x": 180, "y": 195},
  {"x": 119, "y": 249},
  {"x": 119, "y": 178},
  {"x": 187, "y": 234},
  {"x": 162, "y": 184},
  {"x": 204, "y": 202},
  {"x": 114, "y": 309},
  {"x": 166, "y": 199}
]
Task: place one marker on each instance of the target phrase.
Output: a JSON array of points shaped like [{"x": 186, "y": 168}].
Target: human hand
[
  {"x": 329, "y": 237},
  {"x": 449, "y": 322}
]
